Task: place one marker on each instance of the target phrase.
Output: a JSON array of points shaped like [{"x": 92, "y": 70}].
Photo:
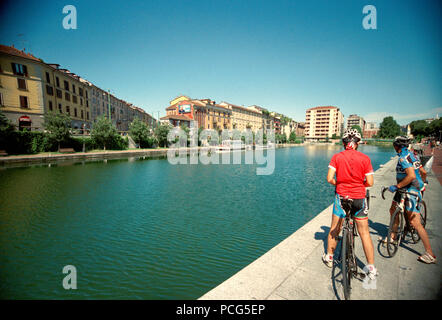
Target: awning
[{"x": 25, "y": 119}]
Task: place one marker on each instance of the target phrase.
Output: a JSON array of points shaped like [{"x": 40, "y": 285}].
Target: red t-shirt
[{"x": 351, "y": 168}]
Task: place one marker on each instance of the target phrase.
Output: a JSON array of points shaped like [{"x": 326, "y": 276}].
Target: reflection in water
[{"x": 146, "y": 229}]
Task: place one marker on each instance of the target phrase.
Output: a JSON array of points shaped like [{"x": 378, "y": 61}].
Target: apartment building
[
  {"x": 244, "y": 118},
  {"x": 371, "y": 129},
  {"x": 268, "y": 122},
  {"x": 202, "y": 113},
  {"x": 121, "y": 113},
  {"x": 30, "y": 87},
  {"x": 355, "y": 120},
  {"x": 323, "y": 122},
  {"x": 288, "y": 127},
  {"x": 207, "y": 114},
  {"x": 300, "y": 129}
]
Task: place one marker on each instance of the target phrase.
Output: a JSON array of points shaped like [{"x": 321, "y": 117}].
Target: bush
[{"x": 26, "y": 142}]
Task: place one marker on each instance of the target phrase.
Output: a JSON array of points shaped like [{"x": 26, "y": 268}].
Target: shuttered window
[{"x": 24, "y": 103}]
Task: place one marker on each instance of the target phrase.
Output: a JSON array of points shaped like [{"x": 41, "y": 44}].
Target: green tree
[
  {"x": 292, "y": 137},
  {"x": 6, "y": 129},
  {"x": 104, "y": 132},
  {"x": 389, "y": 128},
  {"x": 161, "y": 134},
  {"x": 435, "y": 128},
  {"x": 139, "y": 131},
  {"x": 357, "y": 128},
  {"x": 419, "y": 128},
  {"x": 280, "y": 138},
  {"x": 58, "y": 127}
]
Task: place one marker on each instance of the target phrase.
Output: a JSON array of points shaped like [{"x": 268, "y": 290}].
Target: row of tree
[
  {"x": 58, "y": 133},
  {"x": 421, "y": 128}
]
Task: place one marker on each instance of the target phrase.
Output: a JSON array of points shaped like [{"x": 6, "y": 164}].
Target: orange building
[{"x": 203, "y": 113}]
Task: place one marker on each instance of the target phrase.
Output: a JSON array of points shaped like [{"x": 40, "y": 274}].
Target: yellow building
[
  {"x": 244, "y": 118},
  {"x": 29, "y": 88},
  {"x": 21, "y": 88}
]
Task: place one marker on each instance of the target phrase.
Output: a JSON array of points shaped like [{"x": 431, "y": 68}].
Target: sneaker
[
  {"x": 427, "y": 258},
  {"x": 372, "y": 271},
  {"x": 327, "y": 259}
]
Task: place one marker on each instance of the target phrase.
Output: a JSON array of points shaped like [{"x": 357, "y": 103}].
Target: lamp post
[{"x": 108, "y": 104}]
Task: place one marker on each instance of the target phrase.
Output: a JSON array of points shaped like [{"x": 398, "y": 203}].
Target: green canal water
[{"x": 146, "y": 229}]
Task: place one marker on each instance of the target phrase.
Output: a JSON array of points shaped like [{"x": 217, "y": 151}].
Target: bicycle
[
  {"x": 402, "y": 231},
  {"x": 348, "y": 257}
]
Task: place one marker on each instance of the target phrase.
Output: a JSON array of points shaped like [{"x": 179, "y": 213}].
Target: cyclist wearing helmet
[
  {"x": 354, "y": 172},
  {"x": 409, "y": 175}
]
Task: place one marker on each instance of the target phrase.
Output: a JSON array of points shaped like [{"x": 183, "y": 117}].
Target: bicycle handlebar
[{"x": 398, "y": 190}]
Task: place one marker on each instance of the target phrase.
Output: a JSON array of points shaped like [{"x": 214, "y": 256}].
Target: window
[
  {"x": 24, "y": 102},
  {"x": 74, "y": 99},
  {"x": 73, "y": 88},
  {"x": 87, "y": 115},
  {"x": 19, "y": 69},
  {"x": 81, "y": 101},
  {"x": 86, "y": 93},
  {"x": 80, "y": 91},
  {"x": 50, "y": 105},
  {"x": 68, "y": 110},
  {"x": 1, "y": 99},
  {"x": 49, "y": 90},
  {"x": 57, "y": 82},
  {"x": 82, "y": 114},
  {"x": 66, "y": 85},
  {"x": 48, "y": 79},
  {"x": 21, "y": 83},
  {"x": 75, "y": 112},
  {"x": 59, "y": 94},
  {"x": 60, "y": 108},
  {"x": 67, "y": 96},
  {"x": 87, "y": 103}
]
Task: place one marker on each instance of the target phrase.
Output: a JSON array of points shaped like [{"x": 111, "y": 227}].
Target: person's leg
[
  {"x": 367, "y": 244},
  {"x": 333, "y": 235},
  {"x": 393, "y": 207},
  {"x": 415, "y": 221}
]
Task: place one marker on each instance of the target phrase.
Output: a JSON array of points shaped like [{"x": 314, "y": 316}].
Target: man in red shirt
[{"x": 354, "y": 172}]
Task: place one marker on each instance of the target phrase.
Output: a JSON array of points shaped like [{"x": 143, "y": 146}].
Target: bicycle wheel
[
  {"x": 392, "y": 246},
  {"x": 423, "y": 216},
  {"x": 346, "y": 259}
]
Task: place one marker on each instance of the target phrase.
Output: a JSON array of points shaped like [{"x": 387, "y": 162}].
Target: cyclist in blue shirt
[{"x": 409, "y": 174}]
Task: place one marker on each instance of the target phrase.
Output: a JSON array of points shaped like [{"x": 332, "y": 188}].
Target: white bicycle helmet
[
  {"x": 351, "y": 135},
  {"x": 401, "y": 141}
]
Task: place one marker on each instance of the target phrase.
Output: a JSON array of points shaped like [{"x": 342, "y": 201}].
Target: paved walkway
[
  {"x": 437, "y": 161},
  {"x": 294, "y": 270}
]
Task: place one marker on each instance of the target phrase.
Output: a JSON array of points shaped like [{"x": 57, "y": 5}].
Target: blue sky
[{"x": 284, "y": 55}]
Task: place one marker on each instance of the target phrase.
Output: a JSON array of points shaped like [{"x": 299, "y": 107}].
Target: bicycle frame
[
  {"x": 348, "y": 257},
  {"x": 397, "y": 218}
]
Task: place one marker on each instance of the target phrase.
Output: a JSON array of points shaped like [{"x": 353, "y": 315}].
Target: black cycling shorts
[{"x": 358, "y": 209}]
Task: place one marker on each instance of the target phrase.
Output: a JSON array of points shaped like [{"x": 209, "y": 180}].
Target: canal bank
[
  {"x": 47, "y": 158},
  {"x": 293, "y": 269}
]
